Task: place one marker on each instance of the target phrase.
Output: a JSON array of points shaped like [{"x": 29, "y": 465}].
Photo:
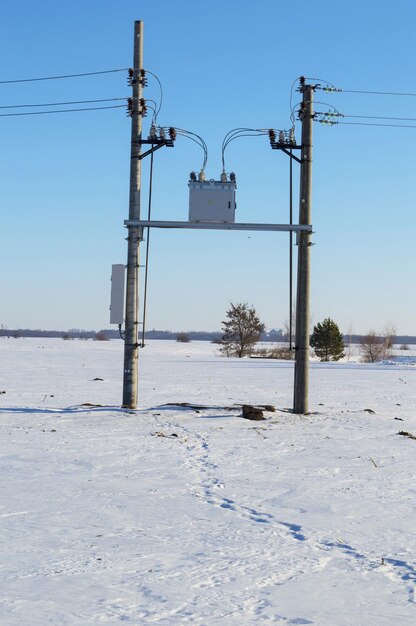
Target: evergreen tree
[
  {"x": 327, "y": 341},
  {"x": 241, "y": 329}
]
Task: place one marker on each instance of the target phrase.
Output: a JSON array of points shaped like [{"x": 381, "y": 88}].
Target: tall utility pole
[
  {"x": 131, "y": 345},
  {"x": 301, "y": 383}
]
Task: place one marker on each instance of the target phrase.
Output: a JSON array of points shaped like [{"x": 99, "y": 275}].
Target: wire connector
[
  {"x": 327, "y": 117},
  {"x": 331, "y": 89}
]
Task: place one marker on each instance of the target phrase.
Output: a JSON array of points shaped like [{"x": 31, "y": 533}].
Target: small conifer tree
[{"x": 327, "y": 341}]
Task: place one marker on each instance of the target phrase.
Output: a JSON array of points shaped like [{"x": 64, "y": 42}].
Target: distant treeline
[{"x": 109, "y": 333}]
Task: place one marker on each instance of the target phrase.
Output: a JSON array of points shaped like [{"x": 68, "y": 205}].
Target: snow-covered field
[{"x": 169, "y": 515}]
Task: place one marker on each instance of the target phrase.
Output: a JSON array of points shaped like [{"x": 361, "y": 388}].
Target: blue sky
[{"x": 222, "y": 64}]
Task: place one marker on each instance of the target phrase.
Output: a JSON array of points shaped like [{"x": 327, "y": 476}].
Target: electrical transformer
[{"x": 212, "y": 200}]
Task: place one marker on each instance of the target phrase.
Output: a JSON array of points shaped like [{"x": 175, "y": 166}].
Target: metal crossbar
[{"x": 219, "y": 226}]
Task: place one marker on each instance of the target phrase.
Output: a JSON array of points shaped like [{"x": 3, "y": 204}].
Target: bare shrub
[
  {"x": 404, "y": 346},
  {"x": 101, "y": 336},
  {"x": 389, "y": 334},
  {"x": 372, "y": 348},
  {"x": 183, "y": 338},
  {"x": 282, "y": 353}
]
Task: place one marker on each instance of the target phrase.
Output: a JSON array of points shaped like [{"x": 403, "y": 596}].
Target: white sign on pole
[{"x": 117, "y": 294}]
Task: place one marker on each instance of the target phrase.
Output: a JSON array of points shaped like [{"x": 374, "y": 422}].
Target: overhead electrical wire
[
  {"x": 325, "y": 104},
  {"x": 153, "y": 107},
  {"x": 382, "y": 117},
  {"x": 240, "y": 132},
  {"x": 55, "y": 104},
  {"x": 375, "y": 124},
  {"x": 328, "y": 118},
  {"x": 161, "y": 92},
  {"x": 321, "y": 80},
  {"x": 292, "y": 108},
  {"x": 31, "y": 80},
  {"x": 379, "y": 93},
  {"x": 116, "y": 106},
  {"x": 197, "y": 139}
]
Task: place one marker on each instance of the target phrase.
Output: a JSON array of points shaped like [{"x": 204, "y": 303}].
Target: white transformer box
[
  {"x": 117, "y": 294},
  {"x": 212, "y": 201}
]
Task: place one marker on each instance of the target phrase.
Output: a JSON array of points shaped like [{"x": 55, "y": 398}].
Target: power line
[
  {"x": 30, "y": 80},
  {"x": 55, "y": 104},
  {"x": 237, "y": 133},
  {"x": 378, "y": 93},
  {"x": 380, "y": 117},
  {"x": 197, "y": 139},
  {"x": 375, "y": 124},
  {"x": 116, "y": 106},
  {"x": 161, "y": 92}
]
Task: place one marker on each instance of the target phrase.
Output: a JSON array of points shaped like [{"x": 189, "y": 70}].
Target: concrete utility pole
[
  {"x": 131, "y": 345},
  {"x": 301, "y": 383}
]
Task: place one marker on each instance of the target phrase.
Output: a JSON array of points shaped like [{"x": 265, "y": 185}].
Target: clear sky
[{"x": 223, "y": 64}]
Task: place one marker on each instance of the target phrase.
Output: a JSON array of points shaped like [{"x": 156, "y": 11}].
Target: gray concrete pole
[
  {"x": 131, "y": 345},
  {"x": 301, "y": 383}
]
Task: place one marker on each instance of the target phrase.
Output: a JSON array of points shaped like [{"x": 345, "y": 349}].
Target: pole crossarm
[
  {"x": 219, "y": 226},
  {"x": 286, "y": 151},
  {"x": 158, "y": 145}
]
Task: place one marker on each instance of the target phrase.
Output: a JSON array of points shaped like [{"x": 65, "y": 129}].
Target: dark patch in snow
[
  {"x": 252, "y": 413},
  {"x": 89, "y": 404},
  {"x": 406, "y": 434}
]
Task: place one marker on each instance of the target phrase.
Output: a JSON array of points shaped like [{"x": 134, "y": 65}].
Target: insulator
[
  {"x": 161, "y": 133},
  {"x": 152, "y": 132},
  {"x": 272, "y": 135},
  {"x": 130, "y": 76},
  {"x": 292, "y": 139},
  {"x": 172, "y": 133},
  {"x": 143, "y": 107},
  {"x": 201, "y": 176},
  {"x": 282, "y": 138},
  {"x": 232, "y": 177},
  {"x": 223, "y": 177},
  {"x": 143, "y": 79},
  {"x": 130, "y": 106},
  {"x": 192, "y": 176}
]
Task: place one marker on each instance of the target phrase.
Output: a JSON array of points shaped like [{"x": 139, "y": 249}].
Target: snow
[{"x": 170, "y": 515}]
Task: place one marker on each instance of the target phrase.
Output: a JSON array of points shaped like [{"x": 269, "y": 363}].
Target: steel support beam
[{"x": 219, "y": 226}]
